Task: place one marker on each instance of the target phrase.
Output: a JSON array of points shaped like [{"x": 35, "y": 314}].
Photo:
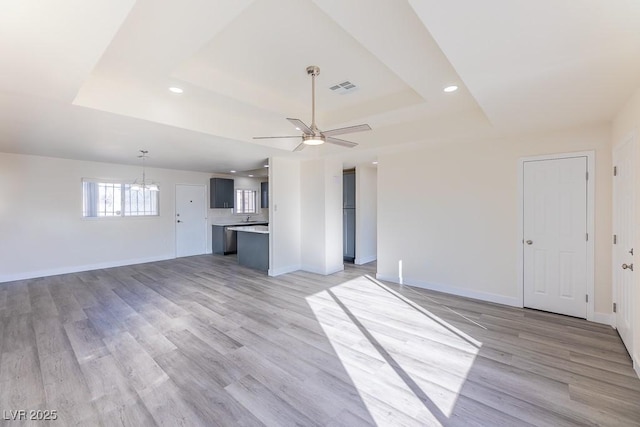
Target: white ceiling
[{"x": 89, "y": 80}]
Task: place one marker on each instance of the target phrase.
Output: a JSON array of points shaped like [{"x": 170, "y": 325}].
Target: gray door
[{"x": 349, "y": 233}]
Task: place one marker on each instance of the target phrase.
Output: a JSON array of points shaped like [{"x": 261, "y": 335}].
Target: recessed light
[
  {"x": 297, "y": 128},
  {"x": 176, "y": 89},
  {"x": 266, "y": 166},
  {"x": 451, "y": 88},
  {"x": 375, "y": 163},
  {"x": 250, "y": 176},
  {"x": 232, "y": 171}
]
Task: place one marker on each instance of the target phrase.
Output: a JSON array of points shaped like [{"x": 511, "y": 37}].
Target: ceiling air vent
[{"x": 344, "y": 87}]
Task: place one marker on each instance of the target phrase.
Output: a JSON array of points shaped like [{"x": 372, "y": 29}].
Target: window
[
  {"x": 114, "y": 199},
  {"x": 245, "y": 201}
]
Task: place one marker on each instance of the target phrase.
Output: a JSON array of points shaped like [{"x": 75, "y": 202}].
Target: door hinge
[
  {"x": 615, "y": 239},
  {"x": 615, "y": 307},
  {"x": 586, "y": 298},
  {"x": 615, "y": 171},
  {"x": 587, "y": 236},
  {"x": 587, "y": 176}
]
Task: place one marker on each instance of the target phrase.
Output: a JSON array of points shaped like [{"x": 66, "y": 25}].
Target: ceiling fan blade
[
  {"x": 300, "y": 147},
  {"x": 341, "y": 142},
  {"x": 276, "y": 137},
  {"x": 299, "y": 124},
  {"x": 349, "y": 129}
]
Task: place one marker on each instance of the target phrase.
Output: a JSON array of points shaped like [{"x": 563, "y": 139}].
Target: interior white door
[
  {"x": 555, "y": 235},
  {"x": 191, "y": 220},
  {"x": 623, "y": 229}
]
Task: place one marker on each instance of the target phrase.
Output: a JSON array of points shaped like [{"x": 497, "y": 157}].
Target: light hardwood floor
[{"x": 202, "y": 341}]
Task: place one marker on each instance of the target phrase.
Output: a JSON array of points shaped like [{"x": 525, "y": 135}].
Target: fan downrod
[{"x": 313, "y": 70}]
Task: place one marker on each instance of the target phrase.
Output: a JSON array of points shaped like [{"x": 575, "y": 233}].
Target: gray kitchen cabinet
[
  {"x": 264, "y": 194},
  {"x": 253, "y": 250},
  {"x": 349, "y": 190},
  {"x": 349, "y": 216},
  {"x": 349, "y": 235},
  {"x": 221, "y": 193},
  {"x": 223, "y": 241}
]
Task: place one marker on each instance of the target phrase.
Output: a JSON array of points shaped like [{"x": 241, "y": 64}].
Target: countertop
[
  {"x": 262, "y": 229},
  {"x": 238, "y": 223}
]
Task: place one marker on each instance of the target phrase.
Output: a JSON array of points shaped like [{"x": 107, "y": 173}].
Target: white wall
[
  {"x": 321, "y": 216},
  {"x": 333, "y": 216},
  {"x": 312, "y": 212},
  {"x": 626, "y": 122},
  {"x": 284, "y": 216},
  {"x": 449, "y": 213},
  {"x": 42, "y": 231},
  {"x": 366, "y": 214}
]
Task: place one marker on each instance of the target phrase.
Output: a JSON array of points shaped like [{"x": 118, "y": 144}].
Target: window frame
[
  {"x": 237, "y": 205},
  {"x": 125, "y": 192}
]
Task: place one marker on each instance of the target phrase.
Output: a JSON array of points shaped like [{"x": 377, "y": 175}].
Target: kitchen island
[
  {"x": 224, "y": 239},
  {"x": 253, "y": 246}
]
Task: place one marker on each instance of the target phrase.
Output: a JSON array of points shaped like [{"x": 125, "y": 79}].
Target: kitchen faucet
[{"x": 248, "y": 217}]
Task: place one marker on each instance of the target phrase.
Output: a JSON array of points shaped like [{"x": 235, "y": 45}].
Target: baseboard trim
[
  {"x": 365, "y": 259},
  {"x": 320, "y": 271},
  {"x": 283, "y": 270},
  {"x": 604, "y": 318},
  {"x": 636, "y": 366},
  {"x": 80, "y": 268},
  {"x": 467, "y": 293}
]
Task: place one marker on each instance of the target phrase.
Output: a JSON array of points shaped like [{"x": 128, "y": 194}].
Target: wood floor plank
[
  {"x": 66, "y": 390},
  {"x": 50, "y": 335},
  {"x": 202, "y": 390},
  {"x": 151, "y": 339},
  {"x": 17, "y": 301},
  {"x": 222, "y": 369},
  {"x": 85, "y": 340},
  {"x": 108, "y": 386},
  {"x": 140, "y": 368},
  {"x": 3, "y": 299},
  {"x": 20, "y": 380},
  {"x": 68, "y": 307},
  {"x": 128, "y": 416},
  {"x": 265, "y": 405},
  {"x": 328, "y": 402},
  {"x": 218, "y": 340},
  {"x": 603, "y": 366},
  {"x": 169, "y": 407},
  {"x": 621, "y": 412},
  {"x": 19, "y": 333},
  {"x": 82, "y": 292},
  {"x": 42, "y": 304},
  {"x": 103, "y": 322}
]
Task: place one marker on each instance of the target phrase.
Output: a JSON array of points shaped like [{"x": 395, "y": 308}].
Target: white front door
[
  {"x": 555, "y": 235},
  {"x": 191, "y": 220},
  {"x": 623, "y": 229}
]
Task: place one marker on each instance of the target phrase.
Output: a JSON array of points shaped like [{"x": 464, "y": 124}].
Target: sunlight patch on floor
[{"x": 403, "y": 359}]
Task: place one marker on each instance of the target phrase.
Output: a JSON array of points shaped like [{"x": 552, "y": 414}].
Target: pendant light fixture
[{"x": 141, "y": 186}]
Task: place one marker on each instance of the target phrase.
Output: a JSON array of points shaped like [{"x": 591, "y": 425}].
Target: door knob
[
  {"x": 627, "y": 266},
  {"x": 529, "y": 242}
]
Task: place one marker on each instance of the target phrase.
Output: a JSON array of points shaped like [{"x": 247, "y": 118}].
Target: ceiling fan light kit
[
  {"x": 313, "y": 139},
  {"x": 311, "y": 135}
]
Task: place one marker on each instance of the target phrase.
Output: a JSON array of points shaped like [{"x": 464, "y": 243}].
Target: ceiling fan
[{"x": 311, "y": 135}]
